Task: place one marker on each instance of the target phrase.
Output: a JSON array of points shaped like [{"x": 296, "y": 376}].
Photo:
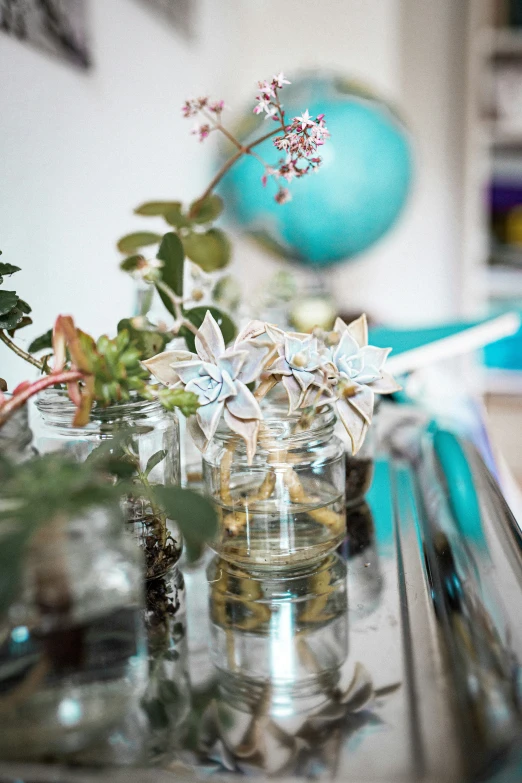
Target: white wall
[{"x": 79, "y": 151}]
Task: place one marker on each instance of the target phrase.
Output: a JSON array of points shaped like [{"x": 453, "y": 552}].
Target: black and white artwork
[
  {"x": 180, "y": 13},
  {"x": 58, "y": 27}
]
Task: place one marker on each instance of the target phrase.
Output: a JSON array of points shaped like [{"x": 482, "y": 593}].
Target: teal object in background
[{"x": 356, "y": 196}]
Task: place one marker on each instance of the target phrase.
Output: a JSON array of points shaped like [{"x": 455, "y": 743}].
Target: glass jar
[
  {"x": 286, "y": 631},
  {"x": 152, "y": 443},
  {"x": 16, "y": 436},
  {"x": 73, "y": 654},
  {"x": 287, "y": 508}
]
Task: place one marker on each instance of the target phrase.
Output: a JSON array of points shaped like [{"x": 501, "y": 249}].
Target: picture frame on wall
[
  {"x": 180, "y": 13},
  {"x": 57, "y": 27}
]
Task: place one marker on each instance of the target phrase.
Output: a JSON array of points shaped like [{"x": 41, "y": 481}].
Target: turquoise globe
[{"x": 355, "y": 197}]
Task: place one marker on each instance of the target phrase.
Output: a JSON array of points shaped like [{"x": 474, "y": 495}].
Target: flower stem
[
  {"x": 180, "y": 318},
  {"x": 20, "y": 351},
  {"x": 242, "y": 150}
]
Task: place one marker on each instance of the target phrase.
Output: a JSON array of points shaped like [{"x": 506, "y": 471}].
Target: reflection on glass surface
[{"x": 290, "y": 630}]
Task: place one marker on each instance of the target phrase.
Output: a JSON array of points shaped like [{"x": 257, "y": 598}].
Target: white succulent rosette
[
  {"x": 339, "y": 368},
  {"x": 218, "y": 376},
  {"x": 300, "y": 363},
  {"x": 358, "y": 374}
]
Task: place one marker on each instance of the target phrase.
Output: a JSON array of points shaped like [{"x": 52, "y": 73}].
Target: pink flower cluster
[
  {"x": 194, "y": 106},
  {"x": 267, "y": 99},
  {"x": 300, "y": 141}
]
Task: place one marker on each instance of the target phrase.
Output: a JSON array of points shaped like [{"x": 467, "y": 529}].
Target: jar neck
[
  {"x": 282, "y": 429},
  {"x": 56, "y": 409}
]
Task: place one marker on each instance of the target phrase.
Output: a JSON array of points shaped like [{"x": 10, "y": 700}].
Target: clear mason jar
[
  {"x": 16, "y": 436},
  {"x": 285, "y": 632},
  {"x": 153, "y": 444},
  {"x": 287, "y": 508},
  {"x": 73, "y": 655}
]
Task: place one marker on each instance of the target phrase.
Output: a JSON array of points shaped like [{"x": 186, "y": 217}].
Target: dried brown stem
[{"x": 20, "y": 351}]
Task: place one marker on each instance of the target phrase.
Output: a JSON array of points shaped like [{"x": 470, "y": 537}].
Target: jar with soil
[
  {"x": 359, "y": 467},
  {"x": 286, "y": 509},
  {"x": 148, "y": 439},
  {"x": 73, "y": 656}
]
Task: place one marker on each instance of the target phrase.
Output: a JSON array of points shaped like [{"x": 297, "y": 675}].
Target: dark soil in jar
[
  {"x": 359, "y": 473},
  {"x": 161, "y": 606},
  {"x": 360, "y": 529}
]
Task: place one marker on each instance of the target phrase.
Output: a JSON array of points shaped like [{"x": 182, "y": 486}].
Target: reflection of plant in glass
[{"x": 192, "y": 233}]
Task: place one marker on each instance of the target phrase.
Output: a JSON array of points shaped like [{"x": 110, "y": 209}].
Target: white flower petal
[
  {"x": 196, "y": 433},
  {"x": 189, "y": 371},
  {"x": 211, "y": 333},
  {"x": 340, "y": 326},
  {"x": 363, "y": 402},
  {"x": 372, "y": 360},
  {"x": 346, "y": 348},
  {"x": 228, "y": 388},
  {"x": 359, "y": 330},
  {"x": 252, "y": 329},
  {"x": 275, "y": 334},
  {"x": 355, "y": 425},
  {"x": 280, "y": 367},
  {"x": 386, "y": 384},
  {"x": 244, "y": 405},
  {"x": 232, "y": 362},
  {"x": 208, "y": 417},
  {"x": 256, "y": 354},
  {"x": 294, "y": 392},
  {"x": 247, "y": 429},
  {"x": 160, "y": 366},
  {"x": 304, "y": 378}
]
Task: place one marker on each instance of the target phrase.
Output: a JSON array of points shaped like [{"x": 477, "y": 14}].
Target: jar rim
[
  {"x": 55, "y": 403},
  {"x": 284, "y": 424}
]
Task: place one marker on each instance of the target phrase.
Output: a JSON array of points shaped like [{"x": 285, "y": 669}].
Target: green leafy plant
[
  {"x": 192, "y": 234},
  {"x": 51, "y": 489},
  {"x": 103, "y": 371}
]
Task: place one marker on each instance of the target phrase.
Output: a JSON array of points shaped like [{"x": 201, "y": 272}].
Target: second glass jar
[{"x": 287, "y": 508}]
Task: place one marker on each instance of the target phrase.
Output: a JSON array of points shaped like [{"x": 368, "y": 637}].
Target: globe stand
[{"x": 314, "y": 305}]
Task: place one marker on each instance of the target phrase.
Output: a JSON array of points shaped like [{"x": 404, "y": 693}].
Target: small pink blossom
[
  {"x": 305, "y": 120},
  {"x": 216, "y": 106},
  {"x": 283, "y": 195},
  {"x": 279, "y": 81},
  {"x": 202, "y": 131}
]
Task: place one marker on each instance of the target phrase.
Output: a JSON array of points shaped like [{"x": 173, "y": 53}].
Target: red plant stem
[{"x": 20, "y": 398}]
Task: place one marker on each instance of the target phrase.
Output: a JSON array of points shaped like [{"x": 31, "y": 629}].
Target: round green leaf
[
  {"x": 176, "y": 218},
  {"x": 155, "y": 208},
  {"x": 8, "y": 300},
  {"x": 132, "y": 242},
  {"x": 194, "y": 514},
  {"x": 207, "y": 209},
  {"x": 196, "y": 316},
  {"x": 173, "y": 256},
  {"x": 210, "y": 250},
  {"x": 44, "y": 342}
]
